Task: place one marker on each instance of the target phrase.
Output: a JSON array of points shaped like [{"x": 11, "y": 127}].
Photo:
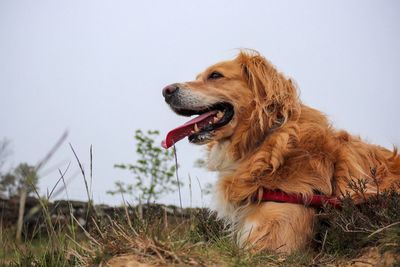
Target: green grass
[{"x": 37, "y": 251}]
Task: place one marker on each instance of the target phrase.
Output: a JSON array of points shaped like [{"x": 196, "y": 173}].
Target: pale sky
[{"x": 96, "y": 69}]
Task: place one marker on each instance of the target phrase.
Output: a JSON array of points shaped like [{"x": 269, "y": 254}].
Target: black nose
[{"x": 169, "y": 91}]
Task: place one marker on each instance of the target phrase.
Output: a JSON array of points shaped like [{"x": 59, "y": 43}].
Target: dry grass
[
  {"x": 198, "y": 239},
  {"x": 194, "y": 237}
]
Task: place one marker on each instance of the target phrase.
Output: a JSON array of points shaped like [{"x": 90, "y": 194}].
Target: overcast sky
[{"x": 96, "y": 69}]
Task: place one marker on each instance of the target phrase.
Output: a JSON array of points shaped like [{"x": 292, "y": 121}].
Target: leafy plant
[{"x": 153, "y": 171}]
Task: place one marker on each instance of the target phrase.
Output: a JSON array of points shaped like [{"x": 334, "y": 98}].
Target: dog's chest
[{"x": 219, "y": 159}]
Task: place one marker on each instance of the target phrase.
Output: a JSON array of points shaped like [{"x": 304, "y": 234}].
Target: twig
[
  {"x": 361, "y": 261},
  {"x": 190, "y": 189},
  {"x": 383, "y": 228},
  {"x": 82, "y": 171},
  {"x": 89, "y": 207},
  {"x": 177, "y": 176},
  {"x": 322, "y": 247},
  {"x": 201, "y": 190},
  {"x": 58, "y": 181},
  {"x": 52, "y": 151},
  {"x": 71, "y": 212},
  {"x": 128, "y": 218},
  {"x": 86, "y": 233},
  {"x": 91, "y": 170}
]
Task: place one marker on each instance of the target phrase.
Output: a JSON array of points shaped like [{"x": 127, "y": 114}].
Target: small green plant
[{"x": 153, "y": 171}]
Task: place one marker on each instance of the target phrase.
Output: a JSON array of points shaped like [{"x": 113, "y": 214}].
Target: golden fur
[{"x": 276, "y": 142}]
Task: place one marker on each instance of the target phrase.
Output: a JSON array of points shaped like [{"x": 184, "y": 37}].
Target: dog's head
[{"x": 241, "y": 100}]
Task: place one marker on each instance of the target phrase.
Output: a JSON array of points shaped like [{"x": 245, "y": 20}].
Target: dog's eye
[{"x": 215, "y": 75}]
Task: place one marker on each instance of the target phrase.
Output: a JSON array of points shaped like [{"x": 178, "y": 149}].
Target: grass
[
  {"x": 36, "y": 251},
  {"x": 374, "y": 223},
  {"x": 199, "y": 239},
  {"x": 194, "y": 237}
]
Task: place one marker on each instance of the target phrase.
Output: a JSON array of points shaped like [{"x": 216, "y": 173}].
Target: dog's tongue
[{"x": 181, "y": 132}]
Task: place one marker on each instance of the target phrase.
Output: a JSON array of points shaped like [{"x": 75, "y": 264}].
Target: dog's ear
[{"x": 275, "y": 96}]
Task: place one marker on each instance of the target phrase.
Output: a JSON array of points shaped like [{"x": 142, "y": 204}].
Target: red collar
[{"x": 315, "y": 200}]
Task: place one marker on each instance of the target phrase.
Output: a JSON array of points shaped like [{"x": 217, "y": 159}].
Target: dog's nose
[{"x": 169, "y": 91}]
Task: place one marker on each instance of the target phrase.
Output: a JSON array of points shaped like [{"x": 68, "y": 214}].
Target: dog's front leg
[{"x": 276, "y": 227}]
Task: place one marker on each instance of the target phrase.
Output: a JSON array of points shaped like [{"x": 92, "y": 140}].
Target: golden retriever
[{"x": 260, "y": 137}]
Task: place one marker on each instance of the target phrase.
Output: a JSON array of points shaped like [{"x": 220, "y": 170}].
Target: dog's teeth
[
  {"x": 215, "y": 119},
  {"x": 210, "y": 122},
  {"x": 196, "y": 128},
  {"x": 220, "y": 114}
]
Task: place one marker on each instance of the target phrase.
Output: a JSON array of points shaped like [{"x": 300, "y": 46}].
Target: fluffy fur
[{"x": 275, "y": 142}]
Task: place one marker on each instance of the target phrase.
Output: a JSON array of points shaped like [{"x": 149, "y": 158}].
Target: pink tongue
[{"x": 181, "y": 132}]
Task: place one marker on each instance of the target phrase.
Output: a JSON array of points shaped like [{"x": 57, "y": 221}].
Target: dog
[{"x": 261, "y": 138}]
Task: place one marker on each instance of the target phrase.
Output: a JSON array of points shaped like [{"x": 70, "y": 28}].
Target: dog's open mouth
[{"x": 202, "y": 127}]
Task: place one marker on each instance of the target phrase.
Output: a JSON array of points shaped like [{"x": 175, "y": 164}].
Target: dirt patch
[
  {"x": 372, "y": 257},
  {"x": 126, "y": 261}
]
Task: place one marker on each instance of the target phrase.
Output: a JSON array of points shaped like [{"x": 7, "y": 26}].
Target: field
[
  {"x": 78, "y": 233},
  {"x": 159, "y": 235}
]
